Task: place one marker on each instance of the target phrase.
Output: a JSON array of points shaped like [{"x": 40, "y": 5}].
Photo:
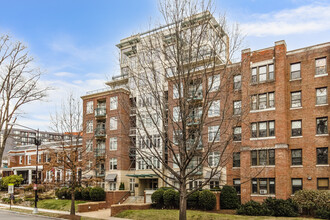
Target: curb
[{"x": 23, "y": 213}]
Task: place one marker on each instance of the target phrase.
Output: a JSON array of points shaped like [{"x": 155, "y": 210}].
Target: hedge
[
  {"x": 85, "y": 193},
  {"x": 97, "y": 194},
  {"x": 206, "y": 200},
  {"x": 169, "y": 199},
  {"x": 229, "y": 198},
  {"x": 192, "y": 201},
  {"x": 253, "y": 208},
  {"x": 157, "y": 198}
]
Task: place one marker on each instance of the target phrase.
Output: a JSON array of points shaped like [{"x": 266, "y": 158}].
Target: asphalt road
[{"x": 5, "y": 215}]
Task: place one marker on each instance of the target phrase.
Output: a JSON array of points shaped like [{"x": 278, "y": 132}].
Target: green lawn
[
  {"x": 59, "y": 204},
  {"x": 196, "y": 215}
]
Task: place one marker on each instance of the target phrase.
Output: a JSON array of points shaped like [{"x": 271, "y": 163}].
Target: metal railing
[
  {"x": 100, "y": 132},
  {"x": 100, "y": 112}
]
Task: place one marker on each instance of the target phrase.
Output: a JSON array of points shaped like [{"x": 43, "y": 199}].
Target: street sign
[
  {"x": 35, "y": 187},
  {"x": 10, "y": 188}
]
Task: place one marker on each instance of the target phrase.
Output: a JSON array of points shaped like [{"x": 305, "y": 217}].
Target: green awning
[{"x": 141, "y": 175}]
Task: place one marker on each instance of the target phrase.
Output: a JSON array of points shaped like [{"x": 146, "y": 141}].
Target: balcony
[
  {"x": 99, "y": 152},
  {"x": 100, "y": 132},
  {"x": 100, "y": 173},
  {"x": 100, "y": 112},
  {"x": 195, "y": 95},
  {"x": 193, "y": 120},
  {"x": 133, "y": 111},
  {"x": 132, "y": 132},
  {"x": 191, "y": 143}
]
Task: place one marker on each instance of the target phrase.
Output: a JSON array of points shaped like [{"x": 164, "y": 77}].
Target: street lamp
[{"x": 37, "y": 143}]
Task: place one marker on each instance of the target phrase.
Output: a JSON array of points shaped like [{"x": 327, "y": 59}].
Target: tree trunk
[
  {"x": 183, "y": 201},
  {"x": 73, "y": 209}
]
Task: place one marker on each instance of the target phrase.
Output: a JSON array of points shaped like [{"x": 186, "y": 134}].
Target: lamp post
[{"x": 37, "y": 143}]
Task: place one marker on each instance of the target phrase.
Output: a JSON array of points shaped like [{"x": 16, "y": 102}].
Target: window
[
  {"x": 237, "y": 82},
  {"x": 237, "y": 185},
  {"x": 323, "y": 183},
  {"x": 20, "y": 159},
  {"x": 296, "y": 128},
  {"x": 237, "y": 107},
  {"x": 156, "y": 140},
  {"x": 237, "y": 134},
  {"x": 177, "y": 137},
  {"x": 322, "y": 155},
  {"x": 236, "y": 159},
  {"x": 113, "y": 164},
  {"x": 263, "y": 101},
  {"x": 176, "y": 161},
  {"x": 176, "y": 88},
  {"x": 321, "y": 66},
  {"x": 214, "y": 159},
  {"x": 321, "y": 96},
  {"x": 112, "y": 186},
  {"x": 263, "y": 157},
  {"x": 39, "y": 158},
  {"x": 296, "y": 157},
  {"x": 263, "y": 186},
  {"x": 89, "y": 145},
  {"x": 322, "y": 125},
  {"x": 214, "y": 109},
  {"x": 176, "y": 114},
  {"x": 262, "y": 73},
  {"x": 263, "y": 129},
  {"x": 296, "y": 184},
  {"x": 89, "y": 126},
  {"x": 113, "y": 123},
  {"x": 295, "y": 71},
  {"x": 89, "y": 107},
  {"x": 296, "y": 99},
  {"x": 29, "y": 159},
  {"x": 214, "y": 184},
  {"x": 214, "y": 83},
  {"x": 113, "y": 143},
  {"x": 113, "y": 103},
  {"x": 213, "y": 134}
]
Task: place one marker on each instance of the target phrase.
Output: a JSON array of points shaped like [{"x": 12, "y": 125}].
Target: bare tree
[
  {"x": 69, "y": 156},
  {"x": 19, "y": 84},
  {"x": 181, "y": 81}
]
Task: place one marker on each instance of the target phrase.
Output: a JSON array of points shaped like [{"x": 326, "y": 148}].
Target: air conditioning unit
[{"x": 263, "y": 191}]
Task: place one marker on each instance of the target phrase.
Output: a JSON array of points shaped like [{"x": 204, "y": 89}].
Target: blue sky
[{"x": 74, "y": 41}]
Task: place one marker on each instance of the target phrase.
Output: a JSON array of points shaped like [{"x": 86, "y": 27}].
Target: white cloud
[
  {"x": 65, "y": 74},
  {"x": 314, "y": 17}
]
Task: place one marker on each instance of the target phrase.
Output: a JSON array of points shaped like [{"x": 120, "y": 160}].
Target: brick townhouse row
[{"x": 281, "y": 145}]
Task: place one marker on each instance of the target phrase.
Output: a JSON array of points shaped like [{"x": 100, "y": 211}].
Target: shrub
[
  {"x": 207, "y": 200},
  {"x": 253, "y": 208},
  {"x": 323, "y": 213},
  {"x": 310, "y": 200},
  {"x": 41, "y": 188},
  {"x": 97, "y": 194},
  {"x": 192, "y": 200},
  {"x": 157, "y": 198},
  {"x": 16, "y": 201},
  {"x": 169, "y": 198},
  {"x": 85, "y": 193},
  {"x": 280, "y": 207},
  {"x": 229, "y": 198},
  {"x": 15, "y": 179},
  {"x": 177, "y": 199},
  {"x": 28, "y": 188},
  {"x": 61, "y": 193},
  {"x": 77, "y": 193},
  {"x": 122, "y": 186}
]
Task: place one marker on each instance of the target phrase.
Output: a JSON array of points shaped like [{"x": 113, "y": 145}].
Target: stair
[{"x": 134, "y": 199}]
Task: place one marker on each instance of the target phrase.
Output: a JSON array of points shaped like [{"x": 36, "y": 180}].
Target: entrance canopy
[
  {"x": 141, "y": 175},
  {"x": 111, "y": 177}
]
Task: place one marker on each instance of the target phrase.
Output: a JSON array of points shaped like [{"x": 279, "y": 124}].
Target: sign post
[{"x": 11, "y": 192}]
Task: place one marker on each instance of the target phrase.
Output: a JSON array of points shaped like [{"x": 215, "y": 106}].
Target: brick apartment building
[{"x": 280, "y": 146}]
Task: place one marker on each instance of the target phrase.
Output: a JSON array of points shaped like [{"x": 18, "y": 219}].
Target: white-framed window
[
  {"x": 79, "y": 155},
  {"x": 113, "y": 164},
  {"x": 89, "y": 126},
  {"x": 296, "y": 99},
  {"x": 113, "y": 103},
  {"x": 214, "y": 109},
  {"x": 321, "y": 96},
  {"x": 176, "y": 87},
  {"x": 237, "y": 107},
  {"x": 20, "y": 159},
  {"x": 295, "y": 71},
  {"x": 39, "y": 158},
  {"x": 213, "y": 134},
  {"x": 90, "y": 164},
  {"x": 296, "y": 128},
  {"x": 214, "y": 159},
  {"x": 177, "y": 136},
  {"x": 237, "y": 82},
  {"x": 321, "y": 66},
  {"x": 176, "y": 114},
  {"x": 214, "y": 83},
  {"x": 113, "y": 143},
  {"x": 113, "y": 123},
  {"x": 89, "y": 145},
  {"x": 112, "y": 186},
  {"x": 175, "y": 163},
  {"x": 89, "y": 107},
  {"x": 29, "y": 159}
]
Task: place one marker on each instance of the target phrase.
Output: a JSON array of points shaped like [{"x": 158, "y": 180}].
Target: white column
[
  {"x": 30, "y": 177},
  {"x": 15, "y": 172}
]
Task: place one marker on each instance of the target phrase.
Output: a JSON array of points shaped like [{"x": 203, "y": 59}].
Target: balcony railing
[
  {"x": 100, "y": 112},
  {"x": 100, "y": 173},
  {"x": 132, "y": 131},
  {"x": 193, "y": 120},
  {"x": 99, "y": 152},
  {"x": 197, "y": 171},
  {"x": 195, "y": 95},
  {"x": 191, "y": 143},
  {"x": 100, "y": 132}
]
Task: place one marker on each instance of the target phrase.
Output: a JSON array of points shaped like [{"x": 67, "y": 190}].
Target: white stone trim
[{"x": 262, "y": 63}]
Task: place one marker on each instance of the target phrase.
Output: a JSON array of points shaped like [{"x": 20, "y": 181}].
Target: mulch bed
[{"x": 71, "y": 217}]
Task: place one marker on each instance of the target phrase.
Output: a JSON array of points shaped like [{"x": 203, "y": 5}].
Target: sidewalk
[{"x": 39, "y": 209}]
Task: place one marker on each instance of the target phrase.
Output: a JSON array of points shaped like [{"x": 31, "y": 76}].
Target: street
[{"x": 15, "y": 216}]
